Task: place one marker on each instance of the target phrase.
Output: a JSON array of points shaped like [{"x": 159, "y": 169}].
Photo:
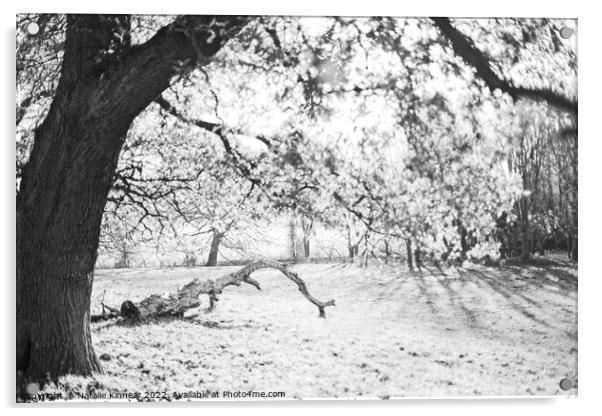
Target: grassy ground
[{"x": 465, "y": 331}]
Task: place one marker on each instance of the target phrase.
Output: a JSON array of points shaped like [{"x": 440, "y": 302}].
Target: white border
[
  {"x": 458, "y": 8},
  {"x": 590, "y": 288}
]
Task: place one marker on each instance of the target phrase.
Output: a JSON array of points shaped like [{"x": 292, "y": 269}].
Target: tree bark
[
  {"x": 59, "y": 211},
  {"x": 214, "y": 250},
  {"x": 463, "y": 240},
  {"x": 387, "y": 251},
  {"x": 523, "y": 205},
  {"x": 66, "y": 181},
  {"x": 418, "y": 258},
  {"x": 525, "y": 244},
  {"x": 306, "y": 225},
  {"x": 292, "y": 235},
  {"x": 353, "y": 251},
  {"x": 365, "y": 253},
  {"x": 409, "y": 254}
]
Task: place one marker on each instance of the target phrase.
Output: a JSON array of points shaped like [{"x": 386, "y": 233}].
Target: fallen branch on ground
[
  {"x": 187, "y": 297},
  {"x": 107, "y": 311}
]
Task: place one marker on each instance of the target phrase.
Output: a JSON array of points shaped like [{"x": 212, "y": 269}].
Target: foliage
[{"x": 375, "y": 127}]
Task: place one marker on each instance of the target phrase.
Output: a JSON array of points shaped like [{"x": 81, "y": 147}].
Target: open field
[{"x": 464, "y": 331}]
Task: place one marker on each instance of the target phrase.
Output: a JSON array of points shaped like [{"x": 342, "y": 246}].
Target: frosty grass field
[{"x": 466, "y": 331}]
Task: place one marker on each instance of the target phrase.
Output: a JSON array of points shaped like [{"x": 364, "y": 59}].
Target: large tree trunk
[
  {"x": 216, "y": 239},
  {"x": 66, "y": 181},
  {"x": 59, "y": 211}
]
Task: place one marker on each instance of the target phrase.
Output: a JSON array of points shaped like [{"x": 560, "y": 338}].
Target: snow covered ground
[{"x": 462, "y": 332}]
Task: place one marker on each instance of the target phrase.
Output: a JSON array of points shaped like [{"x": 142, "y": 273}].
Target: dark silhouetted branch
[{"x": 464, "y": 47}]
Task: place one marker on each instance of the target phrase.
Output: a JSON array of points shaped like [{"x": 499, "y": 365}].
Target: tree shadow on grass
[
  {"x": 425, "y": 292},
  {"x": 456, "y": 299},
  {"x": 527, "y": 291},
  {"x": 556, "y": 277},
  {"x": 513, "y": 295},
  {"x": 546, "y": 281}
]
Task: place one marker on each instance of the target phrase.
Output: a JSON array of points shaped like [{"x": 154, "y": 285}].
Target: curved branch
[
  {"x": 464, "y": 47},
  {"x": 187, "y": 297}
]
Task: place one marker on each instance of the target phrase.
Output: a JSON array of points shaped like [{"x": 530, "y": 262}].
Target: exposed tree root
[{"x": 187, "y": 297}]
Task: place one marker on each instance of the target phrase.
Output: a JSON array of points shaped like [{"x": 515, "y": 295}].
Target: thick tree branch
[
  {"x": 187, "y": 297},
  {"x": 149, "y": 69},
  {"x": 464, "y": 47}
]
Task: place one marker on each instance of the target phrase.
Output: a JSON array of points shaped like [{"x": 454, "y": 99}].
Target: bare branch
[{"x": 188, "y": 296}]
